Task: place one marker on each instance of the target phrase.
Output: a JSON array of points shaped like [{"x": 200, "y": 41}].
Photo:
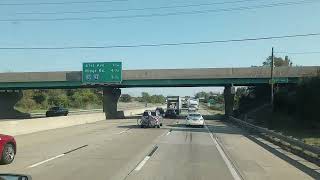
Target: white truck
[{"x": 193, "y": 104}]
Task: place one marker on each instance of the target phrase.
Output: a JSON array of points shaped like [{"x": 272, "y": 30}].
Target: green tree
[
  {"x": 59, "y": 100},
  {"x": 308, "y": 102},
  {"x": 241, "y": 91},
  {"x": 157, "y": 99},
  {"x": 278, "y": 61},
  {"x": 39, "y": 97},
  {"x": 85, "y": 98},
  {"x": 27, "y": 103},
  {"x": 201, "y": 94},
  {"x": 145, "y": 97},
  {"x": 125, "y": 98}
]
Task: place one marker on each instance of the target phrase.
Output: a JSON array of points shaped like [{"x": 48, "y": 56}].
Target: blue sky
[{"x": 297, "y": 19}]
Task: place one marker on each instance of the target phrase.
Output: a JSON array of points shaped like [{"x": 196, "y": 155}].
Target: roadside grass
[{"x": 288, "y": 126}]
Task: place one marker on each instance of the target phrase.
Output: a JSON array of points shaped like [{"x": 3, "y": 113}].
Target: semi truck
[{"x": 174, "y": 102}]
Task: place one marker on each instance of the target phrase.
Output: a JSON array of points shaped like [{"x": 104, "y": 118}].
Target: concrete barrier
[{"x": 26, "y": 126}]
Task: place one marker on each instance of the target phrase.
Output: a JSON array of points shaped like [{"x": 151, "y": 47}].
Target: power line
[
  {"x": 297, "y": 53},
  {"x": 161, "y": 44},
  {"x": 164, "y": 14},
  {"x": 59, "y": 3},
  {"x": 139, "y": 9}
]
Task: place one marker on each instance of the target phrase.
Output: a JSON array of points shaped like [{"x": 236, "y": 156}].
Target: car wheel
[
  {"x": 8, "y": 154},
  {"x": 65, "y": 114},
  {"x": 142, "y": 126},
  {"x": 160, "y": 124}
]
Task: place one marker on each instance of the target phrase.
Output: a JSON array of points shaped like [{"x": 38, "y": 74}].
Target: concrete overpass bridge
[{"x": 226, "y": 77}]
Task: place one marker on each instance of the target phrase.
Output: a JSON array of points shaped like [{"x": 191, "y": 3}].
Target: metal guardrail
[{"x": 294, "y": 142}]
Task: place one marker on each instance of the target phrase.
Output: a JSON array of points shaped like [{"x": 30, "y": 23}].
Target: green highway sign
[
  {"x": 279, "y": 80},
  {"x": 102, "y": 72}
]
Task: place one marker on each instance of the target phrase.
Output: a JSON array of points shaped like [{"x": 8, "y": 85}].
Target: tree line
[
  {"x": 70, "y": 98},
  {"x": 299, "y": 101},
  {"x": 75, "y": 98},
  {"x": 145, "y": 97}
]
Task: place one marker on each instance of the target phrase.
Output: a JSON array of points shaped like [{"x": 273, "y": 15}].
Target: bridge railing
[{"x": 291, "y": 141}]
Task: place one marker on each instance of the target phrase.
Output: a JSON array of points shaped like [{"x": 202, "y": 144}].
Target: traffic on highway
[
  {"x": 159, "y": 90},
  {"x": 148, "y": 146}
]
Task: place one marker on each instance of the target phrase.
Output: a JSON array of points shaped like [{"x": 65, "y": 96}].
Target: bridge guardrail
[{"x": 291, "y": 141}]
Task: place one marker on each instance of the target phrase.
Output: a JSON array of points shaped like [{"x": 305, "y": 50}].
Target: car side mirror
[{"x": 14, "y": 177}]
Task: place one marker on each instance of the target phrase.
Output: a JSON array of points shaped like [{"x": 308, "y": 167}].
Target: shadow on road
[
  {"x": 134, "y": 126},
  {"x": 214, "y": 117}
]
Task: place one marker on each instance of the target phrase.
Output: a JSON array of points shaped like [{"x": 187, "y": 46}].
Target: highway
[{"x": 118, "y": 149}]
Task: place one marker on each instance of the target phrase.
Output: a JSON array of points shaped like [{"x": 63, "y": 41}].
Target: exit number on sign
[{"x": 102, "y": 72}]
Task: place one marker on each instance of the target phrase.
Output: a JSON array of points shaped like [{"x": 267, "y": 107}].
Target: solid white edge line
[
  {"x": 232, "y": 170},
  {"x": 42, "y": 162},
  {"x": 141, "y": 164}
]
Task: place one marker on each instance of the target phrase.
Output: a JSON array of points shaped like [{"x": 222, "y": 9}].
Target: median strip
[{"x": 56, "y": 157}]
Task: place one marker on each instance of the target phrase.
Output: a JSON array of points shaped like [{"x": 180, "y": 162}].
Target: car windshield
[
  {"x": 195, "y": 115},
  {"x": 160, "y": 89},
  {"x": 146, "y": 113},
  {"x": 54, "y": 108}
]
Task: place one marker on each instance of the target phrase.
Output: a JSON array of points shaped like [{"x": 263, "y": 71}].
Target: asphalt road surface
[{"x": 118, "y": 149}]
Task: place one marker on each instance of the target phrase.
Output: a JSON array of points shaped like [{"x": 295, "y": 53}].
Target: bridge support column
[
  {"x": 228, "y": 100},
  {"x": 8, "y": 99},
  {"x": 110, "y": 102}
]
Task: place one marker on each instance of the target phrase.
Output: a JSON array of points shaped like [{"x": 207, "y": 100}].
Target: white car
[
  {"x": 194, "y": 119},
  {"x": 192, "y": 109}
]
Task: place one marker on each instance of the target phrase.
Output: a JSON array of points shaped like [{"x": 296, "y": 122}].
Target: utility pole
[{"x": 271, "y": 78}]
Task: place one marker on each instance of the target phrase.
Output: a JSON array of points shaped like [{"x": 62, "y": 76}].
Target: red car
[{"x": 8, "y": 149}]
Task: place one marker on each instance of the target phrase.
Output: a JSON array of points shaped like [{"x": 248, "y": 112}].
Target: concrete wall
[
  {"x": 203, "y": 73},
  {"x": 26, "y": 126}
]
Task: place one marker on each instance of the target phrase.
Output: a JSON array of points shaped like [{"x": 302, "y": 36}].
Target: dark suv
[
  {"x": 57, "y": 111},
  {"x": 171, "y": 113}
]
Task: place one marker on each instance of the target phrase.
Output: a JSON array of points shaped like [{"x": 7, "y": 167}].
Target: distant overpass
[{"x": 160, "y": 78}]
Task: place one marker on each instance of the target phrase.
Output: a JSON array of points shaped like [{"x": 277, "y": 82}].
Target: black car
[
  {"x": 57, "y": 111},
  {"x": 171, "y": 113}
]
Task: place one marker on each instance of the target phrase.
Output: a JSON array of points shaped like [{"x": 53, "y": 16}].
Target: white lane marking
[
  {"x": 56, "y": 157},
  {"x": 232, "y": 170},
  {"x": 168, "y": 133},
  {"x": 50, "y": 159},
  {"x": 141, "y": 164},
  {"x": 123, "y": 131}
]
